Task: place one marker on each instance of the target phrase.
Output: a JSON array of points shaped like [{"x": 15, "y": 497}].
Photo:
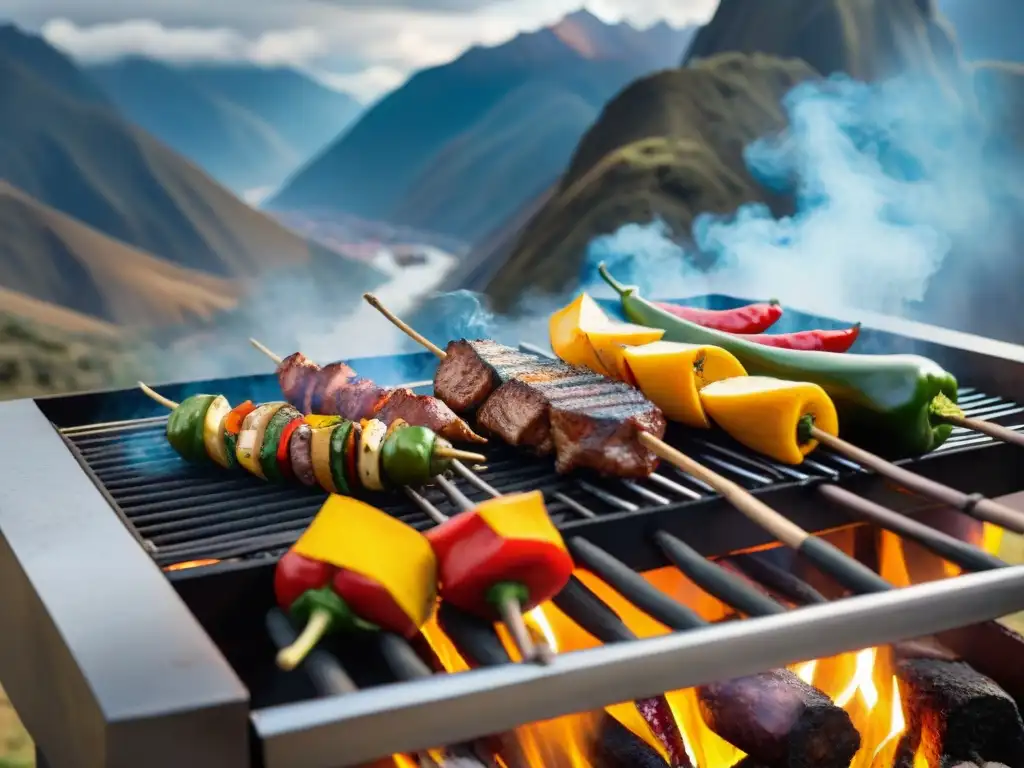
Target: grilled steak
[
  {"x": 588, "y": 420},
  {"x": 336, "y": 390},
  {"x": 472, "y": 370}
]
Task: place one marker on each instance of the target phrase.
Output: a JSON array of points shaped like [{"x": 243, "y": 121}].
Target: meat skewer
[
  {"x": 275, "y": 442},
  {"x": 471, "y": 375},
  {"x": 336, "y": 390}
]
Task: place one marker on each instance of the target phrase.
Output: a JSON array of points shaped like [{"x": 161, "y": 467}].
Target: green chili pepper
[
  {"x": 339, "y": 457},
  {"x": 185, "y": 427},
  {"x": 271, "y": 439},
  {"x": 892, "y": 404},
  {"x": 407, "y": 456}
]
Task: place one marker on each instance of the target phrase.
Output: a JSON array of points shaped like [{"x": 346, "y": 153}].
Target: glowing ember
[{"x": 190, "y": 564}]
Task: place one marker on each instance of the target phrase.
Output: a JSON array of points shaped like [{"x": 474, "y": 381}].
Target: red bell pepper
[
  {"x": 505, "y": 549},
  {"x": 354, "y": 568},
  {"x": 752, "y": 318}
]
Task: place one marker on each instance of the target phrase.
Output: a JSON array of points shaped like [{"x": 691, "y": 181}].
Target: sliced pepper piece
[
  {"x": 351, "y": 470},
  {"x": 505, "y": 546},
  {"x": 185, "y": 427},
  {"x": 769, "y": 415},
  {"x": 369, "y": 459},
  {"x": 316, "y": 421},
  {"x": 321, "y": 455},
  {"x": 284, "y": 459},
  {"x": 407, "y": 456},
  {"x": 213, "y": 431},
  {"x": 671, "y": 375},
  {"x": 339, "y": 442},
  {"x": 250, "y": 438},
  {"x": 272, "y": 440},
  {"x": 581, "y": 334},
  {"x": 355, "y": 568},
  {"x": 232, "y": 426}
]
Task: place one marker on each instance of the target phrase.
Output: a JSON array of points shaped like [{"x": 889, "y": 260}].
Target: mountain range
[
  {"x": 460, "y": 147},
  {"x": 101, "y": 218},
  {"x": 249, "y": 127}
]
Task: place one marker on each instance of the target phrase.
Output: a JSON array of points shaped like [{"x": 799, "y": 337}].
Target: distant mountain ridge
[
  {"x": 88, "y": 199},
  {"x": 391, "y": 164},
  {"x": 247, "y": 126}
]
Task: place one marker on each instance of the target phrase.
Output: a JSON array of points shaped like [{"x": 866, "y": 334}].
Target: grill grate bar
[{"x": 205, "y": 512}]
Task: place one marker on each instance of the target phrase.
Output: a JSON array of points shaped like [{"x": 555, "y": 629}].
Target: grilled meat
[
  {"x": 588, "y": 420},
  {"x": 336, "y": 390},
  {"x": 472, "y": 370}
]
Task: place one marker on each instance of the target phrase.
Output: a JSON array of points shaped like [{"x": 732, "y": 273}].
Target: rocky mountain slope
[
  {"x": 78, "y": 155},
  {"x": 485, "y": 109},
  {"x": 670, "y": 145}
]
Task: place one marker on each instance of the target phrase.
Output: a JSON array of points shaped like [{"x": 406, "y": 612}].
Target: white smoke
[{"x": 888, "y": 180}]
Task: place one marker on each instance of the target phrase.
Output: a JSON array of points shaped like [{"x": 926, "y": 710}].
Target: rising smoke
[
  {"x": 892, "y": 185},
  {"x": 894, "y": 193}
]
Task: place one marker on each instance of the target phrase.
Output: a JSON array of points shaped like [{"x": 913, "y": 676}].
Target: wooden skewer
[
  {"x": 442, "y": 451},
  {"x": 848, "y": 571},
  {"x": 971, "y": 504},
  {"x": 996, "y": 431},
  {"x": 154, "y": 395},
  {"x": 266, "y": 351},
  {"x": 404, "y": 327}
]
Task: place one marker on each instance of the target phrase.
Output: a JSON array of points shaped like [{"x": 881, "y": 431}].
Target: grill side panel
[{"x": 97, "y": 627}]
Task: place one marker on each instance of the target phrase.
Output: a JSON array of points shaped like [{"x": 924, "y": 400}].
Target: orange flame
[
  {"x": 190, "y": 564},
  {"x": 863, "y": 683}
]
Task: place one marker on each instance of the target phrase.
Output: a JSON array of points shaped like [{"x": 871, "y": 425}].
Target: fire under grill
[{"x": 119, "y": 662}]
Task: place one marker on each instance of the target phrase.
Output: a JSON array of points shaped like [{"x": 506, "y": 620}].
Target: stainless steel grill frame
[{"x": 109, "y": 666}]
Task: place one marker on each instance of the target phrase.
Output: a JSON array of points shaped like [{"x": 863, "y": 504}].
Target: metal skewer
[{"x": 510, "y": 609}]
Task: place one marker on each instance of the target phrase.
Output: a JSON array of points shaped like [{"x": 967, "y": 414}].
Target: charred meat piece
[
  {"x": 588, "y": 420},
  {"x": 472, "y": 370},
  {"x": 336, "y": 390}
]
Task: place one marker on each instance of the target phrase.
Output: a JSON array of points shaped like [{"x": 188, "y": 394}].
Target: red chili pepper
[
  {"x": 506, "y": 547},
  {"x": 819, "y": 340},
  {"x": 355, "y": 567},
  {"x": 752, "y": 318}
]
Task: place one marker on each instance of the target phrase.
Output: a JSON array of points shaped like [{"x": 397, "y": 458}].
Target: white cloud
[
  {"x": 366, "y": 85},
  {"x": 145, "y": 37}
]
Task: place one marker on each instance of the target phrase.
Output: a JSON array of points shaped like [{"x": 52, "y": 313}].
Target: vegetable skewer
[
  {"x": 355, "y": 568},
  {"x": 275, "y": 442},
  {"x": 779, "y": 418},
  {"x": 851, "y": 573},
  {"x": 499, "y": 559}
]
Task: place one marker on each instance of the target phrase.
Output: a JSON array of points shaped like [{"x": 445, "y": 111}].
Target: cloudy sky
[{"x": 363, "y": 46}]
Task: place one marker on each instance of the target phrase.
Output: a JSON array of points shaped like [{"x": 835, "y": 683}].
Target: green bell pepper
[
  {"x": 185, "y": 427},
  {"x": 271, "y": 439},
  {"x": 339, "y": 457},
  {"x": 891, "y": 404}
]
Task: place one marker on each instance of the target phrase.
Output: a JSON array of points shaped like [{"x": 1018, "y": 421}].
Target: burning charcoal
[
  {"x": 956, "y": 715},
  {"x": 780, "y": 721},
  {"x": 618, "y": 747}
]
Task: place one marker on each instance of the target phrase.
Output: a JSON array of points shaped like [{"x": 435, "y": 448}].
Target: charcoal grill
[{"x": 113, "y": 661}]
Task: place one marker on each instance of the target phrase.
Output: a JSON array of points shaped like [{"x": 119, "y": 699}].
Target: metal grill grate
[{"x": 186, "y": 513}]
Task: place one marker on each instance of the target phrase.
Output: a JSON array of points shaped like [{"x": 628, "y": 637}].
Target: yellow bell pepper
[
  {"x": 765, "y": 414},
  {"x": 582, "y": 334},
  {"x": 671, "y": 375}
]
